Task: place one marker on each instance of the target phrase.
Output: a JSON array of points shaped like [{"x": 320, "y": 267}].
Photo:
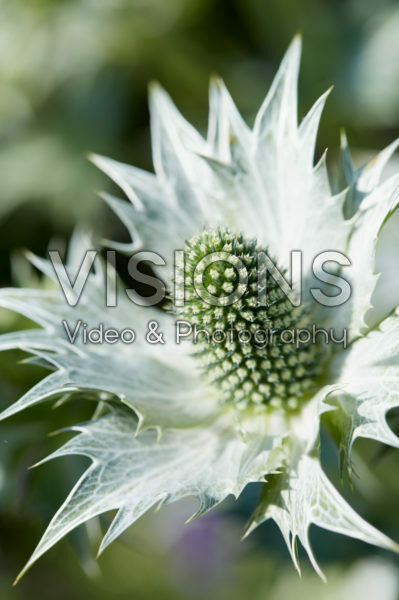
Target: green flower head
[{"x": 205, "y": 412}]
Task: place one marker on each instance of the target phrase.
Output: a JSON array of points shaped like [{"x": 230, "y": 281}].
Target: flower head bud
[{"x": 258, "y": 358}]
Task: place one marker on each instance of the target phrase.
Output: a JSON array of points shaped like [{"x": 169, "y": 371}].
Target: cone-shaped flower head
[{"x": 241, "y": 322}]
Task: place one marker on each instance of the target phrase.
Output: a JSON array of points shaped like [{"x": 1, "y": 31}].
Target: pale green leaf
[
  {"x": 373, "y": 213},
  {"x": 366, "y": 387},
  {"x": 132, "y": 473},
  {"x": 303, "y": 495},
  {"x": 300, "y": 210},
  {"x": 161, "y": 386},
  {"x": 363, "y": 181}
]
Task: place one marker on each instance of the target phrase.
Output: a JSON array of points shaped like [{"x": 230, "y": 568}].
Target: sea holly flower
[{"x": 204, "y": 420}]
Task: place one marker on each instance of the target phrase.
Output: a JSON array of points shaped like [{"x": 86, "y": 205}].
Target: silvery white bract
[{"x": 161, "y": 433}]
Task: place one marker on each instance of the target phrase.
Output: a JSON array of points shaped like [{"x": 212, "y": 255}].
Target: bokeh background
[{"x": 73, "y": 79}]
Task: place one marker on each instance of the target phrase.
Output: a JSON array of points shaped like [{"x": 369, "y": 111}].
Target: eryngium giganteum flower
[{"x": 177, "y": 420}]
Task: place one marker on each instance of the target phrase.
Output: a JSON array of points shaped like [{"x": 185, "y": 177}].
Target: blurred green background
[{"x": 73, "y": 79}]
